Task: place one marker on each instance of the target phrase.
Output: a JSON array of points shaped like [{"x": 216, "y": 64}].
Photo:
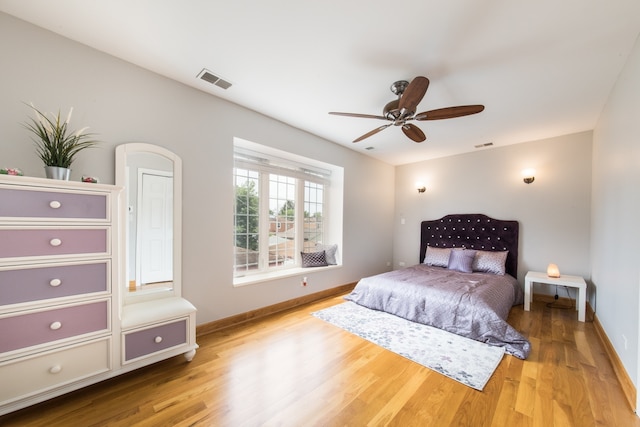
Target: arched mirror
[{"x": 152, "y": 178}]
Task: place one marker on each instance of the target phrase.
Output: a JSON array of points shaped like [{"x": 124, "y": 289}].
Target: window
[
  {"x": 246, "y": 218},
  {"x": 281, "y": 208}
]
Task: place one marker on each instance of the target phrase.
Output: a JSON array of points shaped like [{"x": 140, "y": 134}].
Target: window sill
[{"x": 276, "y": 275}]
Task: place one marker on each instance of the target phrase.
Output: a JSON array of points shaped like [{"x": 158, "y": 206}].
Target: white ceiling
[{"x": 542, "y": 68}]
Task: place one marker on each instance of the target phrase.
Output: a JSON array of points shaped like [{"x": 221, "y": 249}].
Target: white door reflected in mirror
[
  {"x": 151, "y": 176},
  {"x": 155, "y": 228}
]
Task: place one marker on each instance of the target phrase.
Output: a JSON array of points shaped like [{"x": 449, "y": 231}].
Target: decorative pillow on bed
[
  {"x": 437, "y": 257},
  {"x": 490, "y": 262},
  {"x": 461, "y": 260},
  {"x": 313, "y": 259},
  {"x": 329, "y": 252}
]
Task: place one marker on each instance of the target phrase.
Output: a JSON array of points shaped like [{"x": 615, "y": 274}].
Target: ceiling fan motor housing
[{"x": 391, "y": 110}]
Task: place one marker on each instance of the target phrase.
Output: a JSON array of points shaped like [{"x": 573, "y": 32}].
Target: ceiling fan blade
[
  {"x": 373, "y": 132},
  {"x": 412, "y": 95},
  {"x": 364, "y": 116},
  {"x": 449, "y": 112},
  {"x": 413, "y": 132}
]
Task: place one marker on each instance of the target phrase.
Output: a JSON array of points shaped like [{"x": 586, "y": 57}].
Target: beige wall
[
  {"x": 553, "y": 211},
  {"x": 124, "y": 103},
  {"x": 615, "y": 249}
]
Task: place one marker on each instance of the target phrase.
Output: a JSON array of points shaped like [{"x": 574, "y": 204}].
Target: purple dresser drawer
[
  {"x": 26, "y": 242},
  {"x": 50, "y": 204},
  {"x": 152, "y": 340},
  {"x": 26, "y": 330},
  {"x": 41, "y": 283}
]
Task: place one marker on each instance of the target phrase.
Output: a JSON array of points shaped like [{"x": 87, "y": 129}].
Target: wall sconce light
[
  {"x": 553, "y": 271},
  {"x": 420, "y": 187},
  {"x": 528, "y": 175}
]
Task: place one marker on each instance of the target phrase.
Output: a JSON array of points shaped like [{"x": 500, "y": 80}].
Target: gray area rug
[{"x": 467, "y": 361}]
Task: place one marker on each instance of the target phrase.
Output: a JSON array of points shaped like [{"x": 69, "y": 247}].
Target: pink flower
[{"x": 11, "y": 171}]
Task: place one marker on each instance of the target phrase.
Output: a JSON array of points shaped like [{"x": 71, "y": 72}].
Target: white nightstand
[{"x": 563, "y": 280}]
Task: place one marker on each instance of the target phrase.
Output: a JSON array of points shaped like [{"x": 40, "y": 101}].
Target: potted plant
[{"x": 55, "y": 144}]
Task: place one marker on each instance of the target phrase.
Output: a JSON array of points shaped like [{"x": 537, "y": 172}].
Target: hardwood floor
[{"x": 292, "y": 369}]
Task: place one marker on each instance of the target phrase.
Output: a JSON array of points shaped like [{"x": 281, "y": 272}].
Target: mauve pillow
[
  {"x": 437, "y": 257},
  {"x": 461, "y": 260},
  {"x": 490, "y": 262}
]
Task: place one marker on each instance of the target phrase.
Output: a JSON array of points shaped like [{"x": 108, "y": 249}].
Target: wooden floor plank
[{"x": 292, "y": 369}]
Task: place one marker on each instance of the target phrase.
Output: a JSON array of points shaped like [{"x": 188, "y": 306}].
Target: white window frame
[{"x": 266, "y": 160}]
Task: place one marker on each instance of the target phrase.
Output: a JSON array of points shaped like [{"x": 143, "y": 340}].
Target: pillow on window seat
[
  {"x": 314, "y": 259},
  {"x": 329, "y": 252}
]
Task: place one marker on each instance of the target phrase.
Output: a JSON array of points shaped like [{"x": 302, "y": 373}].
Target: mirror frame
[{"x": 122, "y": 151}]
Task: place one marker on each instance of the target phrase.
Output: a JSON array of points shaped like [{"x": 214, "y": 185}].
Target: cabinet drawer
[
  {"x": 155, "y": 339},
  {"x": 35, "y": 374},
  {"x": 18, "y": 331},
  {"x": 36, "y": 283},
  {"x": 27, "y": 203},
  {"x": 28, "y": 242}
]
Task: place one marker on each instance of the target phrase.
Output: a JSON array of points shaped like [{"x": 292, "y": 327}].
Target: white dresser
[
  {"x": 67, "y": 319},
  {"x": 58, "y": 263},
  {"x": 68, "y": 314}
]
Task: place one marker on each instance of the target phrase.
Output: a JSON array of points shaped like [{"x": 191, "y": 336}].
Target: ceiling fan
[{"x": 402, "y": 110}]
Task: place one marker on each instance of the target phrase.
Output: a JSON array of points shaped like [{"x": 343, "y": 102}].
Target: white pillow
[
  {"x": 330, "y": 252},
  {"x": 437, "y": 257},
  {"x": 490, "y": 262}
]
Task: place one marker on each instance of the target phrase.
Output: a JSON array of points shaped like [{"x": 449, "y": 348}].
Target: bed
[{"x": 465, "y": 282}]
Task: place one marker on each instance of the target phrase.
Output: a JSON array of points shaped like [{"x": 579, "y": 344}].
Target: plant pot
[{"x": 55, "y": 172}]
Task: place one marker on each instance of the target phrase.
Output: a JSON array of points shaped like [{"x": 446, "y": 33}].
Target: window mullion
[
  {"x": 326, "y": 217},
  {"x": 264, "y": 221},
  {"x": 299, "y": 218}
]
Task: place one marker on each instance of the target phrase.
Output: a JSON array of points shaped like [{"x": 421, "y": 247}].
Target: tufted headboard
[{"x": 472, "y": 231}]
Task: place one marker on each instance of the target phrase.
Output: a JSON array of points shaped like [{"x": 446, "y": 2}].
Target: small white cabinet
[
  {"x": 156, "y": 329},
  {"x": 156, "y": 321},
  {"x": 151, "y": 328}
]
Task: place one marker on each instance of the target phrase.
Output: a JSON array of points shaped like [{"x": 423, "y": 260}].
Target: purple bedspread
[{"x": 474, "y": 305}]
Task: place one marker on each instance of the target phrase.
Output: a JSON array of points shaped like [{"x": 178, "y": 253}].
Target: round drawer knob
[
  {"x": 56, "y": 369},
  {"x": 55, "y": 242},
  {"x": 55, "y": 282},
  {"x": 54, "y": 204},
  {"x": 158, "y": 339},
  {"x": 55, "y": 326}
]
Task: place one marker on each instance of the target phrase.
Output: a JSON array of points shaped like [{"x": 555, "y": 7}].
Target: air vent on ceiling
[
  {"x": 486, "y": 144},
  {"x": 369, "y": 148},
  {"x": 208, "y": 76}
]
